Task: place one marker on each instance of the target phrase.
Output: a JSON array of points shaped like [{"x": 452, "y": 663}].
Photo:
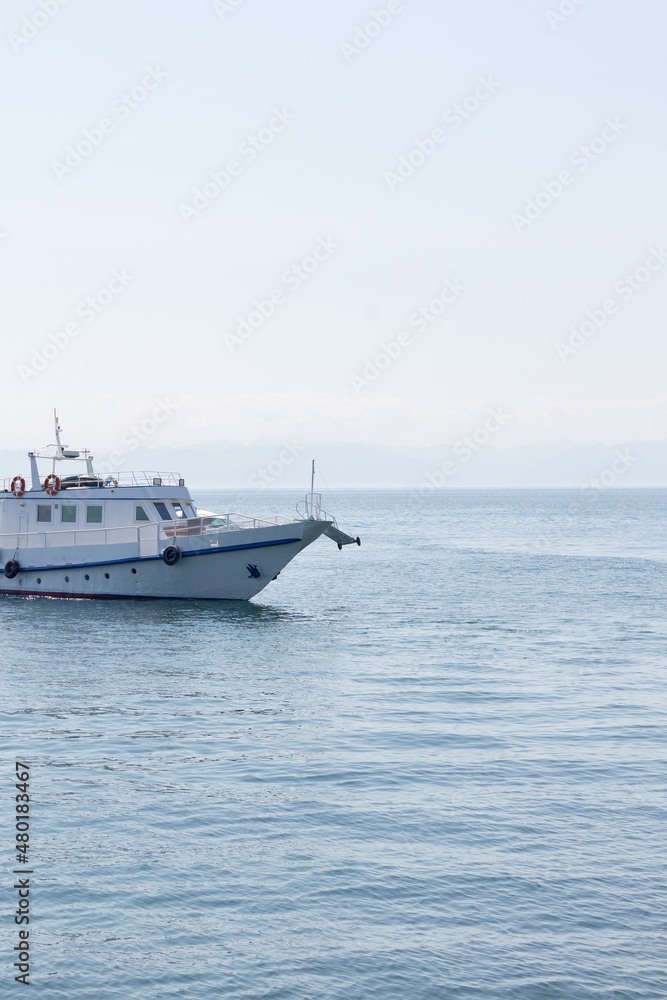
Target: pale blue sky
[{"x": 220, "y": 78}]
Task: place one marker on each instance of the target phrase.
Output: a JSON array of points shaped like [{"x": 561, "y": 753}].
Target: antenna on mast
[
  {"x": 57, "y": 425},
  {"x": 311, "y": 499}
]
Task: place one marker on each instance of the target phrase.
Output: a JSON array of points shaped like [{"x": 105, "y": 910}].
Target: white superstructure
[{"x": 138, "y": 534}]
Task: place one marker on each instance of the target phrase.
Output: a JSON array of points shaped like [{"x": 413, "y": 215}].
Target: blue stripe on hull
[{"x": 137, "y": 559}]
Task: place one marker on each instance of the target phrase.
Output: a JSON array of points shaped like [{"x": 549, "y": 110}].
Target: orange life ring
[
  {"x": 52, "y": 485},
  {"x": 18, "y": 486}
]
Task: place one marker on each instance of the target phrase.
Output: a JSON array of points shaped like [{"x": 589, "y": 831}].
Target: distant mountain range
[{"x": 277, "y": 465}]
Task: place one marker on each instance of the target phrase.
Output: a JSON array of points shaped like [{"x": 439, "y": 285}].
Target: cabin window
[
  {"x": 189, "y": 510},
  {"x": 161, "y": 508},
  {"x": 43, "y": 512},
  {"x": 94, "y": 514},
  {"x": 178, "y": 510},
  {"x": 140, "y": 514},
  {"x": 68, "y": 513}
]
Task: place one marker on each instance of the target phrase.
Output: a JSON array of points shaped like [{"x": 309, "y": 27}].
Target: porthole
[
  {"x": 106, "y": 576},
  {"x": 39, "y": 579},
  {"x": 86, "y": 577},
  {"x": 66, "y": 579},
  {"x": 133, "y": 570}
]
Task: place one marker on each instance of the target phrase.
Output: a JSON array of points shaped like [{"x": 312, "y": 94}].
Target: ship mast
[{"x": 60, "y": 453}]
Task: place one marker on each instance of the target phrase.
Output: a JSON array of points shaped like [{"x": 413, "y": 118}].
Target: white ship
[{"x": 140, "y": 535}]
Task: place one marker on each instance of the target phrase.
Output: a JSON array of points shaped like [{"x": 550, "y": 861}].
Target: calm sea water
[{"x": 432, "y": 767}]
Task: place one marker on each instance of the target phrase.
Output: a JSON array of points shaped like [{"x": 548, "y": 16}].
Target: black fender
[
  {"x": 11, "y": 569},
  {"x": 171, "y": 555}
]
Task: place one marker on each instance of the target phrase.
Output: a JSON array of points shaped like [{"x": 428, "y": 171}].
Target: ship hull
[{"x": 236, "y": 566}]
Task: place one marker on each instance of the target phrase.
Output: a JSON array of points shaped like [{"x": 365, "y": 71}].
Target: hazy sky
[{"x": 464, "y": 183}]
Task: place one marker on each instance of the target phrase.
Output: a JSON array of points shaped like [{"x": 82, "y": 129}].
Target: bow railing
[{"x": 148, "y": 538}]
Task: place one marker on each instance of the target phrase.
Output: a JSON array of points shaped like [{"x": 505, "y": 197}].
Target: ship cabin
[
  {"x": 83, "y": 502},
  {"x": 135, "y": 498}
]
